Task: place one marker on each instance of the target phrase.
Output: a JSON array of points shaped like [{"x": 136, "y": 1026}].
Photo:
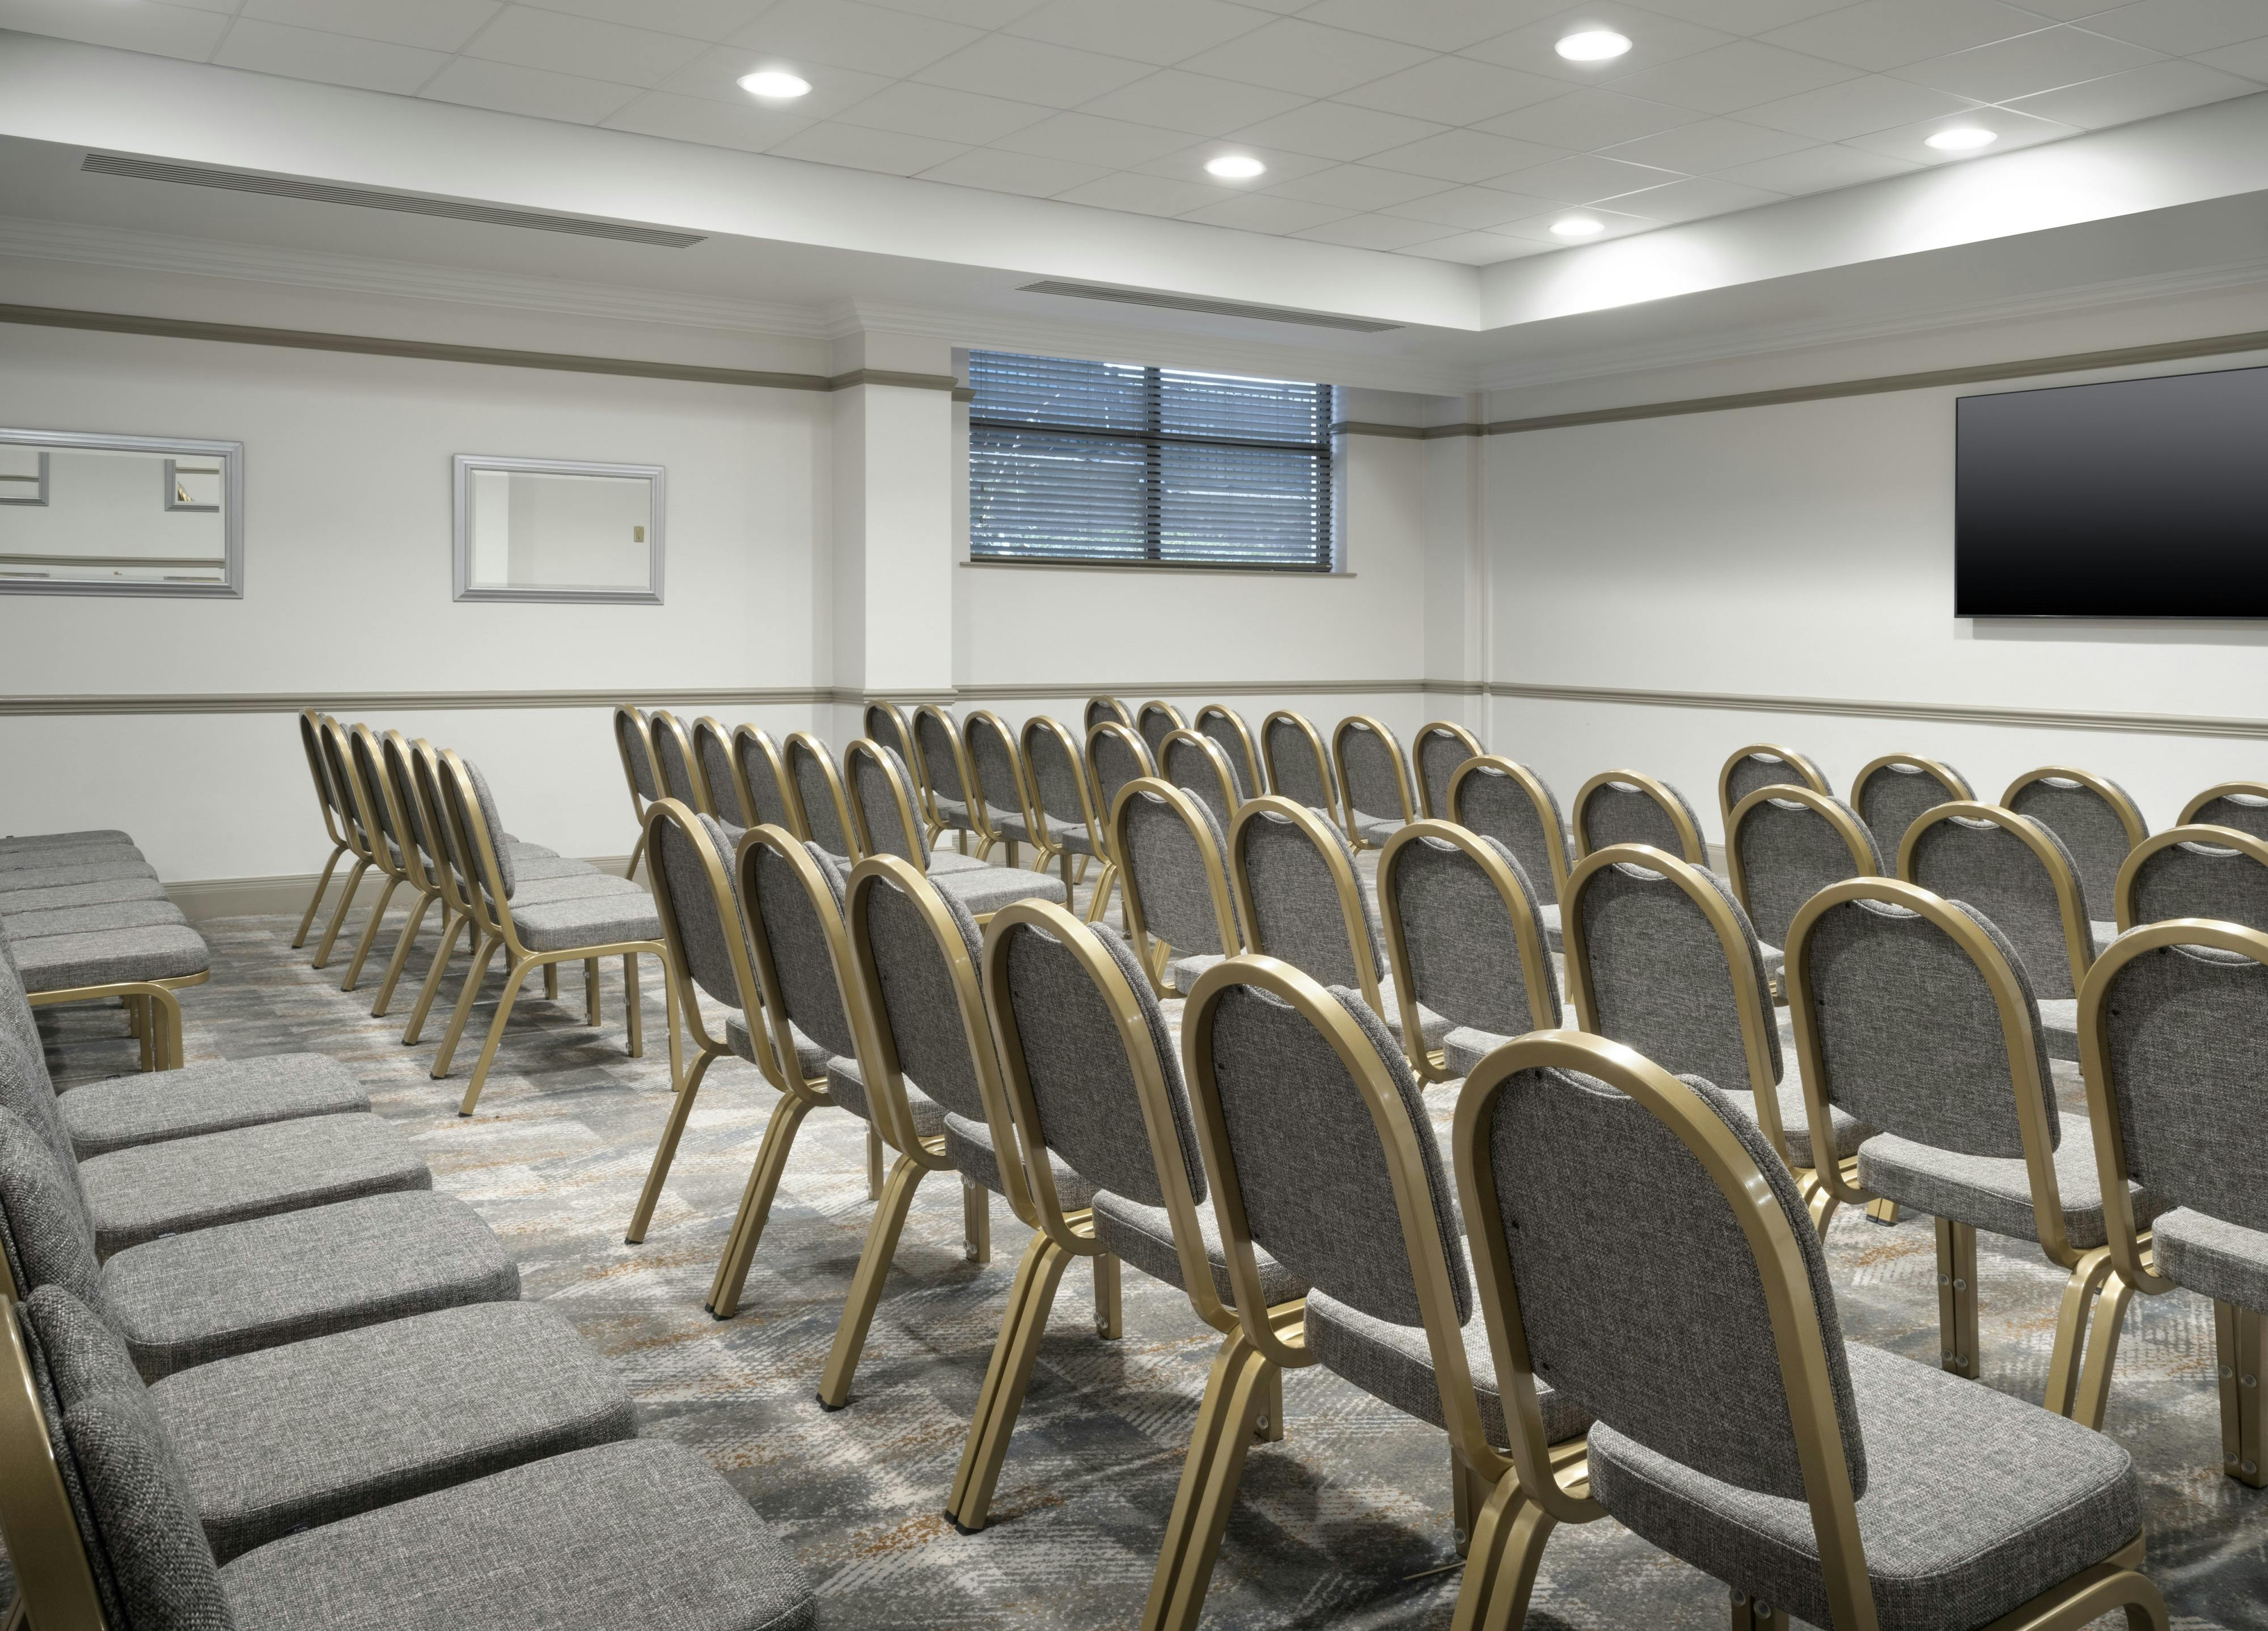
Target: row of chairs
[{"x": 256, "y": 1373}]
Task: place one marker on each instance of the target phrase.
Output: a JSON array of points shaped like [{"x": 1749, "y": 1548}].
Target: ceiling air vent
[
  {"x": 364, "y": 198},
  {"x": 1217, "y": 308}
]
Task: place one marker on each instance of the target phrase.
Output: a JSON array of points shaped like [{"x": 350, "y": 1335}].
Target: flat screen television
[{"x": 2130, "y": 499}]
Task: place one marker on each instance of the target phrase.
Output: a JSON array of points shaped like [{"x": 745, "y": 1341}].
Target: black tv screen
[{"x": 2133, "y": 498}]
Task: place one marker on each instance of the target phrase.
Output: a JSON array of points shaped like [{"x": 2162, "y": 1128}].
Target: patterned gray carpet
[{"x": 1346, "y": 1522}]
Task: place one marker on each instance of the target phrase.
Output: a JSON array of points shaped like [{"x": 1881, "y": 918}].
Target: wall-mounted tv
[{"x": 2129, "y": 499}]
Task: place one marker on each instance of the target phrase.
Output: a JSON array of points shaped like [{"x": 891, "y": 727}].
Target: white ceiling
[{"x": 1444, "y": 128}]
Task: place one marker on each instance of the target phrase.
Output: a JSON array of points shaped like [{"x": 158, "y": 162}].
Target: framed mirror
[
  {"x": 540, "y": 529},
  {"x": 83, "y": 513}
]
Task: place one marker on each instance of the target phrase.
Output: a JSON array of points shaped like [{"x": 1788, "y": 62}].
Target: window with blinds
[{"x": 1111, "y": 464}]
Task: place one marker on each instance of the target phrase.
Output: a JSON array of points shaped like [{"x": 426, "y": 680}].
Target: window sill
[{"x": 1176, "y": 570}]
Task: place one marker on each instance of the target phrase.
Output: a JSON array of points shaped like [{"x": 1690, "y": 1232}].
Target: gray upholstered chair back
[
  {"x": 2186, "y": 1027},
  {"x": 334, "y": 738},
  {"x": 1659, "y": 979},
  {"x": 2242, "y": 805},
  {"x": 1437, "y": 750},
  {"x": 1522, "y": 815},
  {"x": 2196, "y": 878},
  {"x": 1612, "y": 811},
  {"x": 1196, "y": 763},
  {"x": 26, "y": 1088},
  {"x": 44, "y": 1227},
  {"x": 469, "y": 822},
  {"x": 1118, "y": 756},
  {"x": 1641, "y": 1300},
  {"x": 1461, "y": 946},
  {"x": 1075, "y": 1058},
  {"x": 920, "y": 1014},
  {"x": 1298, "y": 763},
  {"x": 442, "y": 846},
  {"x": 1170, "y": 876},
  {"x": 999, "y": 774},
  {"x": 2091, "y": 822},
  {"x": 311, "y": 739},
  {"x": 15, "y": 1007},
  {"x": 1225, "y": 728},
  {"x": 638, "y": 751},
  {"x": 1100, "y": 709},
  {"x": 811, "y": 769},
  {"x": 884, "y": 724},
  {"x": 1994, "y": 871},
  {"x": 1892, "y": 793},
  {"x": 1764, "y": 767},
  {"x": 689, "y": 894},
  {"x": 1058, "y": 771},
  {"x": 802, "y": 954},
  {"x": 883, "y": 791},
  {"x": 1788, "y": 851},
  {"x": 1296, "y": 911},
  {"x": 934, "y": 736},
  {"x": 1310, "y": 1162},
  {"x": 760, "y": 763},
  {"x": 672, "y": 756},
  {"x": 361, "y": 745},
  {"x": 1910, "y": 1033},
  {"x": 712, "y": 750},
  {"x": 1156, "y": 722},
  {"x": 1370, "y": 761},
  {"x": 400, "y": 770}
]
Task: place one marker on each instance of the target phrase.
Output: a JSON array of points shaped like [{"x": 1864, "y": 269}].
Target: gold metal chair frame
[
  {"x": 1527, "y": 928},
  {"x": 55, "y": 1585},
  {"x": 1539, "y": 798},
  {"x": 1245, "y": 761},
  {"x": 1751, "y": 997},
  {"x": 360, "y": 838},
  {"x": 1217, "y": 766},
  {"x": 456, "y": 911},
  {"x": 1113, "y": 710},
  {"x": 898, "y": 732},
  {"x": 1327, "y": 776},
  {"x": 1392, "y": 744},
  {"x": 1173, "y": 722},
  {"x": 727, "y": 802},
  {"x": 1061, "y": 1236},
  {"x": 2239, "y": 1334},
  {"x": 397, "y": 786},
  {"x": 935, "y": 794},
  {"x": 154, "y": 1012},
  {"x": 1153, "y": 955},
  {"x": 382, "y": 820},
  {"x": 2188, "y": 833},
  {"x": 1807, "y": 774},
  {"x": 1822, "y": 804},
  {"x": 667, "y": 729},
  {"x": 1796, "y": 1337},
  {"x": 748, "y": 740},
  {"x": 1457, "y": 733},
  {"x": 494, "y": 930},
  {"x": 1946, "y": 776},
  {"x": 2128, "y": 817},
  {"x": 982, "y": 802},
  {"x": 1511, "y": 1524},
  {"x": 2078, "y": 933},
  {"x": 2093, "y": 1288},
  {"x": 310, "y": 726},
  {"x": 1127, "y": 736},
  {"x": 1049, "y": 852},
  {"x": 810, "y": 747},
  {"x": 626, "y": 714},
  {"x": 2222, "y": 790},
  {"x": 1688, "y": 836}
]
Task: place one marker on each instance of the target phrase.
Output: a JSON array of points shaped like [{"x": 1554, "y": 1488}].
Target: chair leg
[
  {"x": 394, "y": 964},
  {"x": 634, "y": 1011},
  {"x": 873, "y": 1162},
  {"x": 1103, "y": 883},
  {"x": 168, "y": 1018},
  {"x": 1751, "y": 1615},
  {"x": 680, "y": 1111},
  {"x": 1956, "y": 1297},
  {"x": 975, "y": 1221},
  {"x": 475, "y": 975},
  {"x": 512, "y": 979},
  {"x": 1882, "y": 1212},
  {"x": 450, "y": 922},
  {"x": 672, "y": 1019},
  {"x": 339, "y": 916},
  {"x": 755, "y": 1205},
  {"x": 1109, "y": 1306},
  {"x": 2238, "y": 1334},
  {"x": 1505, "y": 1546},
  {"x": 590, "y": 992},
  {"x": 368, "y": 937},
  {"x": 308, "y": 918},
  {"x": 143, "y": 1029},
  {"x": 2070, "y": 1337},
  {"x": 1210, "y": 1476},
  {"x": 551, "y": 982},
  {"x": 1022, "y": 1324},
  {"x": 638, "y": 849},
  {"x": 882, "y": 1232},
  {"x": 2103, "y": 1354}
]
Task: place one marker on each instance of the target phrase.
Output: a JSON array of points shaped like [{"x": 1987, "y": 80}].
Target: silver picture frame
[
  {"x": 465, "y": 465},
  {"x": 230, "y": 456}
]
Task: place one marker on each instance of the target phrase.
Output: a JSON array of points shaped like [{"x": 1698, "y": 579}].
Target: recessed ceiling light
[
  {"x": 1577, "y": 226},
  {"x": 1963, "y": 138},
  {"x": 774, "y": 82},
  {"x": 1594, "y": 45},
  {"x": 1236, "y": 167}
]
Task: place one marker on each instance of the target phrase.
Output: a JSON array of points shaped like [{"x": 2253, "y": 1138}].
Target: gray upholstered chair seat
[
  {"x": 573, "y": 886},
  {"x": 1548, "y": 915},
  {"x": 67, "y": 854},
  {"x": 1464, "y": 1048},
  {"x": 2103, "y": 933},
  {"x": 525, "y": 869},
  {"x": 1143, "y": 1236},
  {"x": 1994, "y": 1193},
  {"x": 847, "y": 1086},
  {"x": 109, "y": 956},
  {"x": 593, "y": 920},
  {"x": 1182, "y": 972},
  {"x": 14, "y": 902},
  {"x": 92, "y": 835},
  {"x": 1795, "y": 1120},
  {"x": 1975, "y": 1503},
  {"x": 184, "y": 1184},
  {"x": 2212, "y": 1257},
  {"x": 1435, "y": 1026},
  {"x": 996, "y": 886},
  {"x": 1392, "y": 1362},
  {"x": 810, "y": 1057},
  {"x": 319, "y": 1430},
  {"x": 75, "y": 872},
  {"x": 86, "y": 919},
  {"x": 1375, "y": 830},
  {"x": 641, "y": 1533},
  {"x": 969, "y": 1146},
  {"x": 944, "y": 861},
  {"x": 521, "y": 847},
  {"x": 195, "y": 1298},
  {"x": 128, "y": 1111},
  {"x": 1775, "y": 961},
  {"x": 2059, "y": 1028},
  {"x": 1063, "y": 835},
  {"x": 954, "y": 814}
]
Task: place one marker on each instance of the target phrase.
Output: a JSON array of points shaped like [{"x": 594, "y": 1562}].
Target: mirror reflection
[
  {"x": 534, "y": 530},
  {"x": 116, "y": 514}
]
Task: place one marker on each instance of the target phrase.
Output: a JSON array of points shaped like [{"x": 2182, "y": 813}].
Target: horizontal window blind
[{"x": 1113, "y": 464}]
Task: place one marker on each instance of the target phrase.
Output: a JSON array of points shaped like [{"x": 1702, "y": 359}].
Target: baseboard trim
[{"x": 203, "y": 899}]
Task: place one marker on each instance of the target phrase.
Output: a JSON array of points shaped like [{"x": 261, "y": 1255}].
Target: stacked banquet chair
[
  {"x": 1100, "y": 709},
  {"x": 1115, "y": 757},
  {"x": 999, "y": 803},
  {"x": 1198, "y": 765},
  {"x": 86, "y": 920},
  {"x": 1891, "y": 793},
  {"x": 676, "y": 762},
  {"x": 257, "y": 1373},
  {"x": 1761, "y": 765},
  {"x": 1437, "y": 752},
  {"x": 634, "y": 740},
  {"x": 823, "y": 809},
  {"x": 1629, "y": 807},
  {"x": 2219, "y": 873},
  {"x": 1375, "y": 792},
  {"x": 1511, "y": 804},
  {"x": 887, "y": 723},
  {"x": 882, "y": 806},
  {"x": 1065, "y": 824},
  {"x": 1154, "y": 722},
  {"x": 2095, "y": 817},
  {"x": 1226, "y": 727},
  {"x": 1180, "y": 916},
  {"x": 767, "y": 796},
  {"x": 2240, "y": 805},
  {"x": 1782, "y": 845},
  {"x": 943, "y": 758}
]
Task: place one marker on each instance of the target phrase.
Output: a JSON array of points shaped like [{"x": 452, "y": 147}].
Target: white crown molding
[{"x": 77, "y": 244}]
